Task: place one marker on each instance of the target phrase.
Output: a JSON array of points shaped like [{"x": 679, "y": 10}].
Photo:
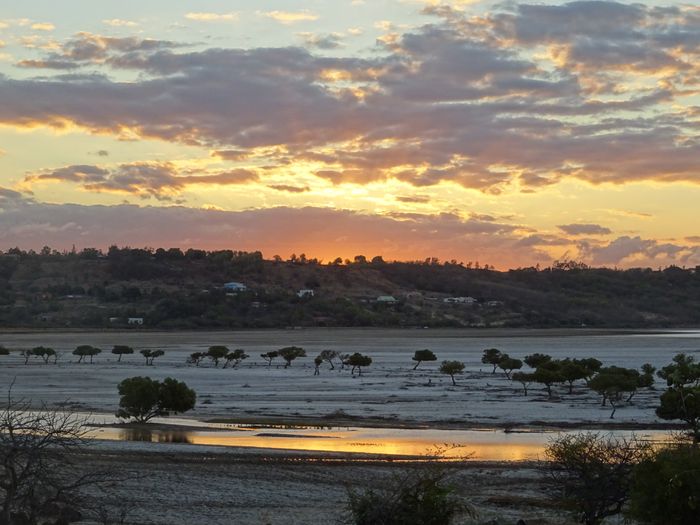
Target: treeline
[{"x": 172, "y": 288}]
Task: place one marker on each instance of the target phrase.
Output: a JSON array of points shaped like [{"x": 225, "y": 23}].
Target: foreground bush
[
  {"x": 421, "y": 495},
  {"x": 666, "y": 488},
  {"x": 592, "y": 473}
]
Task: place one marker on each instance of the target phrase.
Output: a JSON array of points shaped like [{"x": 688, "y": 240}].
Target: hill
[{"x": 171, "y": 289}]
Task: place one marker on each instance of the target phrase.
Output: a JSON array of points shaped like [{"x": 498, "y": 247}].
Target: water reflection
[
  {"x": 154, "y": 436},
  {"x": 491, "y": 445}
]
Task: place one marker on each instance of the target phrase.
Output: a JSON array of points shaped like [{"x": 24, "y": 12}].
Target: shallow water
[{"x": 487, "y": 444}]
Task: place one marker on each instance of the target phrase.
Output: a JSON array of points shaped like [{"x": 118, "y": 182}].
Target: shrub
[
  {"x": 592, "y": 473},
  {"x": 143, "y": 398},
  {"x": 421, "y": 495},
  {"x": 666, "y": 488}
]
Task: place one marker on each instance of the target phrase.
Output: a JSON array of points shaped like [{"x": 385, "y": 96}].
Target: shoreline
[{"x": 445, "y": 332}]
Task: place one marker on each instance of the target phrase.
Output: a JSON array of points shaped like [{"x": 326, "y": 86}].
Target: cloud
[
  {"x": 636, "y": 251},
  {"x": 289, "y": 188},
  {"x": 43, "y": 26},
  {"x": 90, "y": 49},
  {"x": 118, "y": 22},
  {"x": 416, "y": 199},
  {"x": 584, "y": 229},
  {"x": 324, "y": 41},
  {"x": 289, "y": 17},
  {"x": 162, "y": 180},
  {"x": 327, "y": 233},
  {"x": 496, "y": 102},
  {"x": 212, "y": 17}
]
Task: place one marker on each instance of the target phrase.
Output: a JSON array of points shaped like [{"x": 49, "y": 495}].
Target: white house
[
  {"x": 460, "y": 300},
  {"x": 305, "y": 293},
  {"x": 135, "y": 320},
  {"x": 386, "y": 299},
  {"x": 235, "y": 287}
]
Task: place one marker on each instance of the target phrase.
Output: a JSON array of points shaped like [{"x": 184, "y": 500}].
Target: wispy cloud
[
  {"x": 160, "y": 180},
  {"x": 43, "y": 26},
  {"x": 212, "y": 17},
  {"x": 584, "y": 229},
  {"x": 290, "y": 17},
  {"x": 118, "y": 22}
]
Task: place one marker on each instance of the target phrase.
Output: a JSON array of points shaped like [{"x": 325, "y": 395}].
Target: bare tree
[
  {"x": 41, "y": 475},
  {"x": 592, "y": 473}
]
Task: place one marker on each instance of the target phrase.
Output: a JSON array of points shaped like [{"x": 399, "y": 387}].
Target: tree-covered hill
[{"x": 175, "y": 289}]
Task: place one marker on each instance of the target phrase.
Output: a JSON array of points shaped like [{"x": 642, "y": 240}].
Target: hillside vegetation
[{"x": 171, "y": 289}]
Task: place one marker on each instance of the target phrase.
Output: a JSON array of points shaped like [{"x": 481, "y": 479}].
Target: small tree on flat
[
  {"x": 612, "y": 382},
  {"x": 44, "y": 353},
  {"x": 535, "y": 360},
  {"x": 196, "y": 358},
  {"x": 290, "y": 353},
  {"x": 4, "y": 351},
  {"x": 357, "y": 361},
  {"x": 492, "y": 356},
  {"x": 27, "y": 354},
  {"x": 524, "y": 378},
  {"x": 143, "y": 398},
  {"x": 590, "y": 364},
  {"x": 84, "y": 351},
  {"x": 269, "y": 356},
  {"x": 234, "y": 358},
  {"x": 216, "y": 353},
  {"x": 150, "y": 355},
  {"x": 423, "y": 355},
  {"x": 452, "y": 368},
  {"x": 571, "y": 372},
  {"x": 508, "y": 364},
  {"x": 682, "y": 398},
  {"x": 121, "y": 350},
  {"x": 329, "y": 356},
  {"x": 548, "y": 374}
]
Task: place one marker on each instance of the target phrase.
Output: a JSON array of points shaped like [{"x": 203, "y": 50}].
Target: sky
[{"x": 508, "y": 133}]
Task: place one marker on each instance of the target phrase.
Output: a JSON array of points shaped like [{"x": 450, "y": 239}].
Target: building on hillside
[
  {"x": 138, "y": 321},
  {"x": 234, "y": 286},
  {"x": 305, "y": 293},
  {"x": 460, "y": 300},
  {"x": 386, "y": 299}
]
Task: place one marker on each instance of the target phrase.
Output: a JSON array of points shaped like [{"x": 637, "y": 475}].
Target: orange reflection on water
[{"x": 484, "y": 445}]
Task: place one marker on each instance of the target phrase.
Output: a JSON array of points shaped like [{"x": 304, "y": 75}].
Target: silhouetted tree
[
  {"x": 216, "y": 353},
  {"x": 357, "y": 361},
  {"x": 196, "y": 358},
  {"x": 84, "y": 351},
  {"x": 143, "y": 398},
  {"x": 329, "y": 356},
  {"x": 234, "y": 358},
  {"x": 290, "y": 353},
  {"x": 121, "y": 350},
  {"x": 269, "y": 356},
  {"x": 423, "y": 355},
  {"x": 150, "y": 355},
  {"x": 492, "y": 356},
  {"x": 452, "y": 368},
  {"x": 508, "y": 364}
]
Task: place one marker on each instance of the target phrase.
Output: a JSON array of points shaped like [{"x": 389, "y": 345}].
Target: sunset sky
[{"x": 509, "y": 133}]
